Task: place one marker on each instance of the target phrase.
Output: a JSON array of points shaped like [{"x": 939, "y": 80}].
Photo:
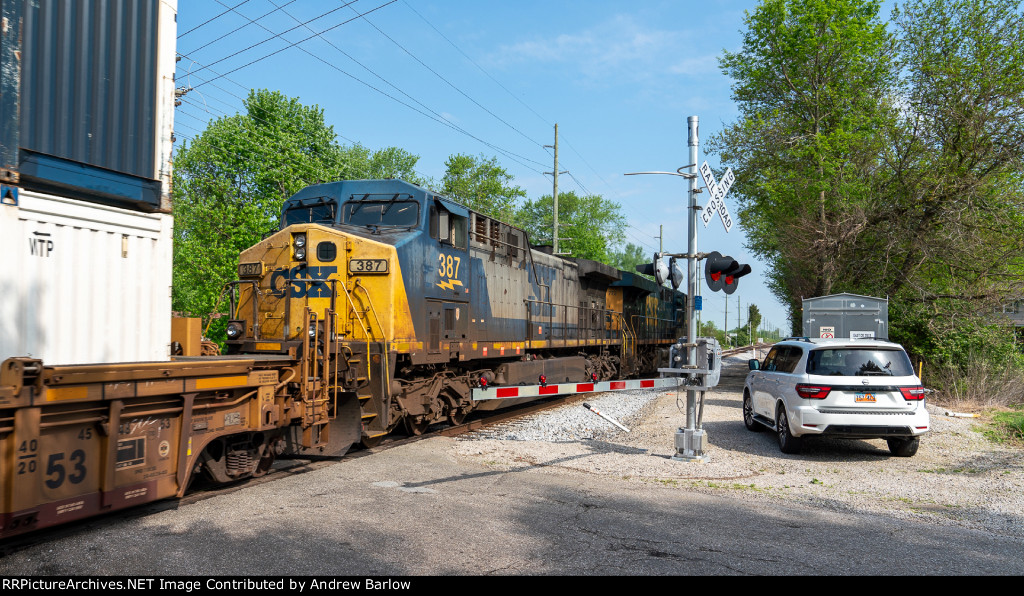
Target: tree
[
  {"x": 888, "y": 165},
  {"x": 812, "y": 85},
  {"x": 708, "y": 329},
  {"x": 231, "y": 181},
  {"x": 587, "y": 226},
  {"x": 482, "y": 185},
  {"x": 753, "y": 318},
  {"x": 630, "y": 256},
  {"x": 951, "y": 229}
]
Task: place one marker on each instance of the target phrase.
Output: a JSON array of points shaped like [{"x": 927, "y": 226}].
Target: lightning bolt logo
[{"x": 450, "y": 284}]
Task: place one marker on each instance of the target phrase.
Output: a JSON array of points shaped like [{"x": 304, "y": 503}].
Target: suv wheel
[
  {"x": 748, "y": 414},
  {"x": 904, "y": 447},
  {"x": 787, "y": 442}
]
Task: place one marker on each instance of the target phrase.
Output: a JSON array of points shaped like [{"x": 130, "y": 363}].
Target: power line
[
  {"x": 211, "y": 20},
  {"x": 474, "y": 63},
  {"x": 236, "y": 30},
  {"x": 520, "y": 159},
  {"x": 449, "y": 83},
  {"x": 506, "y": 90},
  {"x": 259, "y": 43}
]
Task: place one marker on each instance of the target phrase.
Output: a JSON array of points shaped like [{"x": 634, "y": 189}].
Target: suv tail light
[
  {"x": 812, "y": 391},
  {"x": 912, "y": 393}
]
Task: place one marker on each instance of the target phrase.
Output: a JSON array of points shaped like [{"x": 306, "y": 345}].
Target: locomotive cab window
[
  {"x": 320, "y": 211},
  {"x": 396, "y": 211},
  {"x": 448, "y": 227}
]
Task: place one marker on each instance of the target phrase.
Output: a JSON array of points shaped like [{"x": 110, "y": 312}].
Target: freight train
[{"x": 377, "y": 306}]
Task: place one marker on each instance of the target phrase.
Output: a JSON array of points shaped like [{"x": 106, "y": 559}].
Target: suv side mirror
[{"x": 754, "y": 364}]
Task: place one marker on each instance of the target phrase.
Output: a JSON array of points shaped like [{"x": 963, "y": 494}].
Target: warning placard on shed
[{"x": 827, "y": 332}]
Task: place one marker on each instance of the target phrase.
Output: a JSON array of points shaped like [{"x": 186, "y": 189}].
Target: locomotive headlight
[
  {"x": 235, "y": 329},
  {"x": 299, "y": 246}
]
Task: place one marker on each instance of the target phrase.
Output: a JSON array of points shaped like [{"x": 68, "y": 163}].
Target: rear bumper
[{"x": 908, "y": 423}]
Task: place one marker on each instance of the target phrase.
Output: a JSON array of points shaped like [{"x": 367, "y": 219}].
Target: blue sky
[{"x": 440, "y": 77}]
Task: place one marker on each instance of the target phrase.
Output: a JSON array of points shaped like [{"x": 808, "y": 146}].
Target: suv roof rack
[{"x": 806, "y": 339}]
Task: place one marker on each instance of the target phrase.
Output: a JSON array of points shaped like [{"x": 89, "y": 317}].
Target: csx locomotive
[
  {"x": 411, "y": 300},
  {"x": 378, "y": 305}
]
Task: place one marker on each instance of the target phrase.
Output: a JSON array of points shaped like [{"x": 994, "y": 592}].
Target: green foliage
[
  {"x": 887, "y": 164},
  {"x": 629, "y": 257},
  {"x": 1008, "y": 427},
  {"x": 482, "y": 185},
  {"x": 810, "y": 78},
  {"x": 231, "y": 181},
  {"x": 708, "y": 329},
  {"x": 588, "y": 226},
  {"x": 754, "y": 316}
]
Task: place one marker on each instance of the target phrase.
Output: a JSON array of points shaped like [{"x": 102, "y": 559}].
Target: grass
[
  {"x": 1005, "y": 426},
  {"x": 950, "y": 471}
]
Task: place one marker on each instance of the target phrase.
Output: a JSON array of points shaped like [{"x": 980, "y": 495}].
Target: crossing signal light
[{"x": 723, "y": 273}]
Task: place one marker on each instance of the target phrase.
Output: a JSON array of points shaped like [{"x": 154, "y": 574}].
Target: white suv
[{"x": 852, "y": 388}]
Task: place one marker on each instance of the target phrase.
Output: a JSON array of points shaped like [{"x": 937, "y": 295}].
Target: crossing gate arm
[{"x": 552, "y": 389}]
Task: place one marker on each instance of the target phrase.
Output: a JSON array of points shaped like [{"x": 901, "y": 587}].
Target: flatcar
[{"x": 410, "y": 300}]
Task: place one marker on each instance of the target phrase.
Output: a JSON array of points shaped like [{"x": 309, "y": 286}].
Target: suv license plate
[{"x": 862, "y": 398}]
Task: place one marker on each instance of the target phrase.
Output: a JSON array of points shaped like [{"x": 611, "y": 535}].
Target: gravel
[{"x": 957, "y": 477}]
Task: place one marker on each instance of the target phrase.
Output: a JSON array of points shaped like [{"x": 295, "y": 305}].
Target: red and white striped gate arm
[{"x": 485, "y": 393}]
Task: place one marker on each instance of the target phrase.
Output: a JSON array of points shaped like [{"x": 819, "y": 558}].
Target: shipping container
[
  {"x": 82, "y": 282},
  {"x": 87, "y": 99},
  {"x": 846, "y": 316}
]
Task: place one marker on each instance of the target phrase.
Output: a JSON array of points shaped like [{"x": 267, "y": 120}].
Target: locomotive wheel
[
  {"x": 456, "y": 418},
  {"x": 416, "y": 426},
  {"x": 369, "y": 442}
]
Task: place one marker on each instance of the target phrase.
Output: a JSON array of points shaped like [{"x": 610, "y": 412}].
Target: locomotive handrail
[
  {"x": 647, "y": 318},
  {"x": 255, "y": 305},
  {"x": 565, "y": 325},
  {"x": 384, "y": 336},
  {"x": 628, "y": 335}
]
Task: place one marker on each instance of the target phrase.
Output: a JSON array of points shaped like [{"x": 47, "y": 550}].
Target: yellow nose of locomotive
[{"x": 311, "y": 279}]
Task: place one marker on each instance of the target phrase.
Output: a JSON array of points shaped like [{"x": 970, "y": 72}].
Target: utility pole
[
  {"x": 554, "y": 193},
  {"x": 727, "y": 321},
  {"x": 739, "y": 320},
  {"x": 661, "y": 238},
  {"x": 689, "y": 441}
]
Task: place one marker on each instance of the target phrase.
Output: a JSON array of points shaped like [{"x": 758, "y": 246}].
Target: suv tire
[
  {"x": 748, "y": 414},
  {"x": 787, "y": 442},
  {"x": 904, "y": 447}
]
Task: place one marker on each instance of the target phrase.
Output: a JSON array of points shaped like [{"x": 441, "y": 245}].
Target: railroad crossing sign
[{"x": 717, "y": 192}]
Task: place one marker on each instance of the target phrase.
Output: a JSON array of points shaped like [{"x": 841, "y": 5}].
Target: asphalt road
[
  {"x": 428, "y": 509},
  {"x": 416, "y": 511}
]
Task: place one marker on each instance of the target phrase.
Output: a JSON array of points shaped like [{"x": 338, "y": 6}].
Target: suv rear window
[{"x": 852, "y": 362}]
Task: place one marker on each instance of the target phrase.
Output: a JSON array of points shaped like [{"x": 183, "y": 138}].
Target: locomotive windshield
[
  {"x": 393, "y": 212},
  {"x": 321, "y": 212}
]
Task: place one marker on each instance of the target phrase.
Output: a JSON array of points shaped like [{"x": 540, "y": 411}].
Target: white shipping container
[{"x": 84, "y": 283}]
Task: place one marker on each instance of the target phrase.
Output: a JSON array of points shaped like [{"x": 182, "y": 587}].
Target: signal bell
[
  {"x": 676, "y": 273},
  {"x": 662, "y": 272},
  {"x": 723, "y": 273}
]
